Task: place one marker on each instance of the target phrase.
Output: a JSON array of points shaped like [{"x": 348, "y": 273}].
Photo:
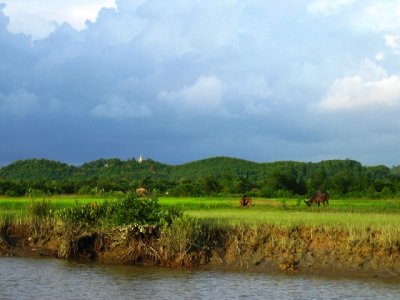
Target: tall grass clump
[
  {"x": 84, "y": 214},
  {"x": 39, "y": 209},
  {"x": 184, "y": 242}
]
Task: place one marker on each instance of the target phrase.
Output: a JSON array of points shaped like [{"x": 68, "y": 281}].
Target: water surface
[{"x": 27, "y": 278}]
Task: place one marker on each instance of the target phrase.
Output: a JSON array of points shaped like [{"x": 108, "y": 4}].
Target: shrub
[
  {"x": 266, "y": 192},
  {"x": 131, "y": 209},
  {"x": 128, "y": 209},
  {"x": 168, "y": 215}
]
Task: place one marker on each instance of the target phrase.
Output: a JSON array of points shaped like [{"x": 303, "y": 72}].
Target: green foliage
[
  {"x": 13, "y": 188},
  {"x": 186, "y": 188},
  {"x": 210, "y": 185},
  {"x": 395, "y": 171},
  {"x": 132, "y": 209},
  {"x": 37, "y": 169},
  {"x": 213, "y": 176},
  {"x": 167, "y": 215},
  {"x": 129, "y": 209}
]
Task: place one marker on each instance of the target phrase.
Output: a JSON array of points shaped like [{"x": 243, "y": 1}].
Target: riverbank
[{"x": 187, "y": 244}]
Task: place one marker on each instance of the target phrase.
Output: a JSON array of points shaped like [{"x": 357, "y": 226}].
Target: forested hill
[
  {"x": 217, "y": 175},
  {"x": 37, "y": 169},
  {"x": 42, "y": 169}
]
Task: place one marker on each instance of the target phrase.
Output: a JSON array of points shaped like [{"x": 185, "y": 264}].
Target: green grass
[
  {"x": 19, "y": 206},
  {"x": 377, "y": 214},
  {"x": 295, "y": 218},
  {"x": 338, "y": 206},
  {"x": 355, "y": 213}
]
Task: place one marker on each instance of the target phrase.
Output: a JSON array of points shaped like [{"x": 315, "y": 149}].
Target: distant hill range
[{"x": 42, "y": 169}]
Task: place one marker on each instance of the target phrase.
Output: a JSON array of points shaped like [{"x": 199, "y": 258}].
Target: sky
[{"x": 182, "y": 80}]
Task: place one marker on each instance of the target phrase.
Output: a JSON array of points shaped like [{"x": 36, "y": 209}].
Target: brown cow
[
  {"x": 245, "y": 201},
  {"x": 318, "y": 197}
]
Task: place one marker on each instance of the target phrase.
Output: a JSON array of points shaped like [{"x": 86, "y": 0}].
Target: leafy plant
[
  {"x": 128, "y": 209},
  {"x": 131, "y": 209}
]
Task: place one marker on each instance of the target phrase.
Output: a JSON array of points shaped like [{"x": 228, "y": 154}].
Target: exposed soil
[{"x": 300, "y": 249}]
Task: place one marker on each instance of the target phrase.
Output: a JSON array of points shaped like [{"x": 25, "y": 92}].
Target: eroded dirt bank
[{"x": 299, "y": 249}]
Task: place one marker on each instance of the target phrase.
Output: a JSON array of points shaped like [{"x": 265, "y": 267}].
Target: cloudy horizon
[{"x": 178, "y": 81}]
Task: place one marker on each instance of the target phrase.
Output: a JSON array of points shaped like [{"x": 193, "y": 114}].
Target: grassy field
[
  {"x": 356, "y": 213},
  {"x": 290, "y": 212}
]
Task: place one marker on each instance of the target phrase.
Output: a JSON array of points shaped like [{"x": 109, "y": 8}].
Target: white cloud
[
  {"x": 39, "y": 18},
  {"x": 116, "y": 26},
  {"x": 369, "y": 70},
  {"x": 356, "y": 94},
  {"x": 203, "y": 95},
  {"x": 392, "y": 41},
  {"x": 117, "y": 107},
  {"x": 380, "y": 56},
  {"x": 328, "y": 7},
  {"x": 19, "y": 103},
  {"x": 377, "y": 16}
]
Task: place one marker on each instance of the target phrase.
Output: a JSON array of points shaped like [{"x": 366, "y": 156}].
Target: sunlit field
[
  {"x": 349, "y": 213},
  {"x": 292, "y": 212}
]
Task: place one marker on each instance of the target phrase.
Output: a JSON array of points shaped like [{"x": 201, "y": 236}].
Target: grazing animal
[
  {"x": 245, "y": 201},
  {"x": 318, "y": 197},
  {"x": 142, "y": 192}
]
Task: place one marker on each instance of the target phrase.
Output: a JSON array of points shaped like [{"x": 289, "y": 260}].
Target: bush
[
  {"x": 85, "y": 190},
  {"x": 129, "y": 209},
  {"x": 168, "y": 215},
  {"x": 266, "y": 192}
]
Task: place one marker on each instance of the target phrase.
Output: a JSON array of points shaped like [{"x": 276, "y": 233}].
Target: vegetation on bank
[
  {"x": 219, "y": 176},
  {"x": 348, "y": 235}
]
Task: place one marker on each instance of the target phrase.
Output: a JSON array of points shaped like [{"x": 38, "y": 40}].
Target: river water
[{"x": 28, "y": 278}]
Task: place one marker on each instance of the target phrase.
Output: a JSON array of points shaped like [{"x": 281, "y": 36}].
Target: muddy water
[{"x": 27, "y": 278}]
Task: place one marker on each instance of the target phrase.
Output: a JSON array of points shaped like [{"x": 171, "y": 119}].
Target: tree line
[{"x": 217, "y": 176}]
